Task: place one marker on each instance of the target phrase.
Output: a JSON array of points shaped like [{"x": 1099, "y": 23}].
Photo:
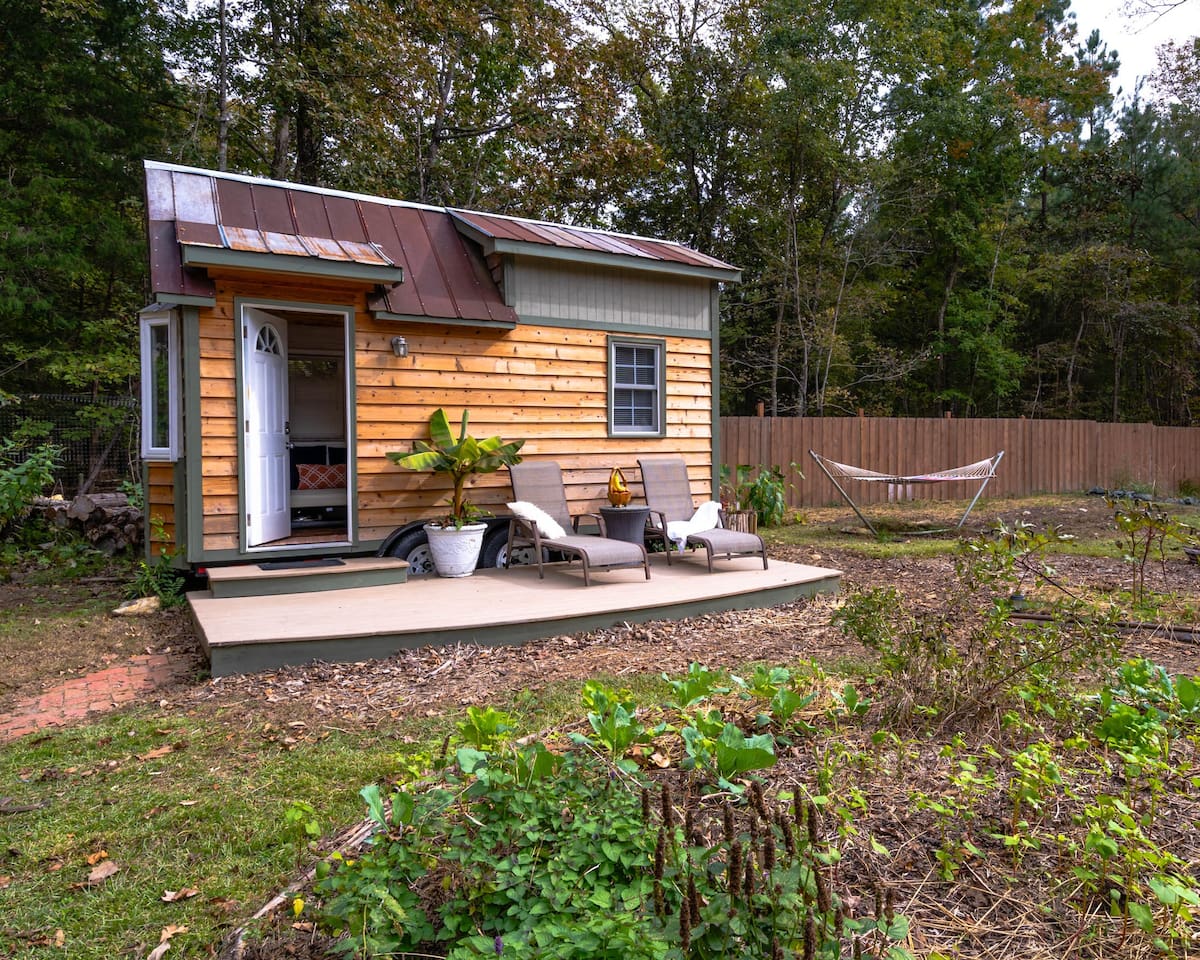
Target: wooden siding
[
  {"x": 160, "y": 507},
  {"x": 1040, "y": 456},
  {"x": 585, "y": 293},
  {"x": 547, "y": 385}
]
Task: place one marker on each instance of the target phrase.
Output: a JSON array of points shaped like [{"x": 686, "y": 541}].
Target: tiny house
[{"x": 297, "y": 335}]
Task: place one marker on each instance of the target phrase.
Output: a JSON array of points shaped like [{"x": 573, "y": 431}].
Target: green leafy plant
[
  {"x": 134, "y": 492},
  {"x": 485, "y": 727},
  {"x": 23, "y": 476},
  {"x": 158, "y": 579},
  {"x": 697, "y": 685},
  {"x": 1144, "y": 530},
  {"x": 765, "y": 493},
  {"x": 459, "y": 459},
  {"x": 529, "y": 859},
  {"x": 612, "y": 715}
]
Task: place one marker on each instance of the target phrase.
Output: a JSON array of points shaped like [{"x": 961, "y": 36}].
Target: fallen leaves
[
  {"x": 157, "y": 752},
  {"x": 183, "y": 893},
  {"x": 164, "y": 941},
  {"x": 101, "y": 872}
]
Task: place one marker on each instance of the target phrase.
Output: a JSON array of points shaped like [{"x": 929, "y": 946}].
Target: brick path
[{"x": 97, "y": 692}]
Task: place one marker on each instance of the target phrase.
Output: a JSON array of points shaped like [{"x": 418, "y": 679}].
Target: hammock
[{"x": 900, "y": 487}]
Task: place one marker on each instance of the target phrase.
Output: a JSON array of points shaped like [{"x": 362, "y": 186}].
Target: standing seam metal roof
[{"x": 444, "y": 274}]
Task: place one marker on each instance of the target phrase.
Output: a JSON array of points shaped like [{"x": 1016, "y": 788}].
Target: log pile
[{"x": 106, "y": 520}]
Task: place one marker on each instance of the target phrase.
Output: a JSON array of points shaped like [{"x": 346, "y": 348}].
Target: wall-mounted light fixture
[{"x": 400, "y": 346}]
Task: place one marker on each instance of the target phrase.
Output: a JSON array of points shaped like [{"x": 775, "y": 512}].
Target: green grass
[{"x": 207, "y": 815}]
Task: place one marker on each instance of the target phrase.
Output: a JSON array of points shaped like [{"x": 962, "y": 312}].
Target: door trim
[{"x": 335, "y": 311}]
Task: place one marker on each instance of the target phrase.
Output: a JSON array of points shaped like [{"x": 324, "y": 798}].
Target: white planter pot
[{"x": 455, "y": 552}]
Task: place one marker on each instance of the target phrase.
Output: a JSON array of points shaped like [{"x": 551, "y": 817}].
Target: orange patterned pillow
[{"x": 318, "y": 476}]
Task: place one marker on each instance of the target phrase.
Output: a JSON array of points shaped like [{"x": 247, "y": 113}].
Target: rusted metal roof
[
  {"x": 521, "y": 231},
  {"x": 423, "y": 263}
]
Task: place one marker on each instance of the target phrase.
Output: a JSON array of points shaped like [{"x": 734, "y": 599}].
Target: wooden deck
[{"x": 244, "y": 634}]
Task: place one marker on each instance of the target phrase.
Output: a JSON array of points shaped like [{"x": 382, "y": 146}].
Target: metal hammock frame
[{"x": 981, "y": 470}]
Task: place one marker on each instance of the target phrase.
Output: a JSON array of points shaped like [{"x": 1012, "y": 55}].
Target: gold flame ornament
[{"x": 619, "y": 494}]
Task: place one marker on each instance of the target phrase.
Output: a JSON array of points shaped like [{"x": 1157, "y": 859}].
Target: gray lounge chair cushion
[
  {"x": 541, "y": 484},
  {"x": 669, "y": 496}
]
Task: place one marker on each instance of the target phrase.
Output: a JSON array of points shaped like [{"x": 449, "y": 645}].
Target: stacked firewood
[{"x": 107, "y": 520}]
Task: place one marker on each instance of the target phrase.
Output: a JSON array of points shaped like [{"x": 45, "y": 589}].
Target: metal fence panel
[{"x": 99, "y": 437}]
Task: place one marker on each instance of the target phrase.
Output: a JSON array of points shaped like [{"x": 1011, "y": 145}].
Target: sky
[{"x": 1134, "y": 36}]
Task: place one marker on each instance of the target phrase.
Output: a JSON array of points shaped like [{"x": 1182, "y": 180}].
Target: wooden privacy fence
[{"x": 1040, "y": 456}]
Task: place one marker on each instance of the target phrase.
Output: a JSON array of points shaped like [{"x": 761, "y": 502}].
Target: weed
[
  {"x": 22, "y": 477},
  {"x": 612, "y": 715},
  {"x": 529, "y": 854},
  {"x": 1144, "y": 530}
]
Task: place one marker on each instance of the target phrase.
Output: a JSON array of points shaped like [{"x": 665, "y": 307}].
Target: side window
[
  {"x": 160, "y": 385},
  {"x": 636, "y": 393}
]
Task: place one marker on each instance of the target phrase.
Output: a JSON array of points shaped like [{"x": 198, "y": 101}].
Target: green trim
[
  {"x": 545, "y": 251},
  {"x": 303, "y": 581},
  {"x": 510, "y": 281},
  {"x": 182, "y": 300},
  {"x": 204, "y": 256},
  {"x": 251, "y": 657},
  {"x": 346, "y": 312},
  {"x": 338, "y": 548},
  {"x": 192, "y": 439},
  {"x": 716, "y": 392},
  {"x": 611, "y": 327},
  {"x": 182, "y": 499},
  {"x": 452, "y": 321},
  {"x": 351, "y": 387},
  {"x": 613, "y": 341}
]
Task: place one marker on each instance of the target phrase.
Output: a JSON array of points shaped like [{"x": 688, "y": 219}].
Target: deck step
[{"x": 268, "y": 579}]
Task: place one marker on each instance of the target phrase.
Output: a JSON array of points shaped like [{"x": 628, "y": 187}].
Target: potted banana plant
[{"x": 455, "y": 541}]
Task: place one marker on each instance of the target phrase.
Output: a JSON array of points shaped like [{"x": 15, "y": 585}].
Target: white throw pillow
[{"x": 546, "y": 525}]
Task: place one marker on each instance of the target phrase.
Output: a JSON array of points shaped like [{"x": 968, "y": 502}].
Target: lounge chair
[
  {"x": 541, "y": 484},
  {"x": 669, "y": 496}
]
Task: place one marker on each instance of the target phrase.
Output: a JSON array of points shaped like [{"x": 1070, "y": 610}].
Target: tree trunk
[
  {"x": 951, "y": 277},
  {"x": 222, "y": 90}
]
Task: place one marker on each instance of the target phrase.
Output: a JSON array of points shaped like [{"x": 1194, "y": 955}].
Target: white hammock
[{"x": 900, "y": 486}]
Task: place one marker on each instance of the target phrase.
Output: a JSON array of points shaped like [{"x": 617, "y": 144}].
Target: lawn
[{"x": 957, "y": 783}]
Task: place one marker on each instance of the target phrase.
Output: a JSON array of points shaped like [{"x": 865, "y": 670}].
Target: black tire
[
  {"x": 413, "y": 547},
  {"x": 495, "y": 550}
]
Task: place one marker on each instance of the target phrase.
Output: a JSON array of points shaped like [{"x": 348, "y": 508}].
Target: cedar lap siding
[{"x": 510, "y": 319}]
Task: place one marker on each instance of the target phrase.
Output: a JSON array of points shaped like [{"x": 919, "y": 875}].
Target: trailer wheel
[
  {"x": 413, "y": 548},
  {"x": 495, "y": 551}
]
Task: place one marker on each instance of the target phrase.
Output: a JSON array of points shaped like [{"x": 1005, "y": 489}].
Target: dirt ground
[{"x": 435, "y": 680}]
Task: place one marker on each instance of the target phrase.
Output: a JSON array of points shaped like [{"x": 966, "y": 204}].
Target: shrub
[
  {"x": 22, "y": 479},
  {"x": 522, "y": 853}
]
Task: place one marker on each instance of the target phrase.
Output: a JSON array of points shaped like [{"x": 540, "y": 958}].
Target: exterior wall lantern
[{"x": 400, "y": 346}]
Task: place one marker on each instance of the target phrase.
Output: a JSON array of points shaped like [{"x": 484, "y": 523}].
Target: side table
[{"x": 625, "y": 523}]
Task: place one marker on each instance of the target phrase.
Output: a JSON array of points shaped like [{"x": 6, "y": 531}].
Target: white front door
[{"x": 268, "y": 515}]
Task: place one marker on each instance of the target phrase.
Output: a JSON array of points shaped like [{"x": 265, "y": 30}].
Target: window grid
[{"x": 636, "y": 388}]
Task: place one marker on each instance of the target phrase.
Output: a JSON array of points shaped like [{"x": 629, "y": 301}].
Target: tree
[{"x": 83, "y": 89}]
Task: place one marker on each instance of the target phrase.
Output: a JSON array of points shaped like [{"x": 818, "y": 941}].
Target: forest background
[{"x": 938, "y": 207}]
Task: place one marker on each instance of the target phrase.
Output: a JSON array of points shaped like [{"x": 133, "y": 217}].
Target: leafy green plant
[
  {"x": 460, "y": 460},
  {"x": 612, "y": 715},
  {"x": 573, "y": 862},
  {"x": 485, "y": 727},
  {"x": 134, "y": 492},
  {"x": 23, "y": 476},
  {"x": 698, "y": 684},
  {"x": 765, "y": 494},
  {"x": 1144, "y": 530}
]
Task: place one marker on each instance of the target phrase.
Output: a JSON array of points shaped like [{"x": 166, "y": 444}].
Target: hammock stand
[{"x": 901, "y": 487}]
